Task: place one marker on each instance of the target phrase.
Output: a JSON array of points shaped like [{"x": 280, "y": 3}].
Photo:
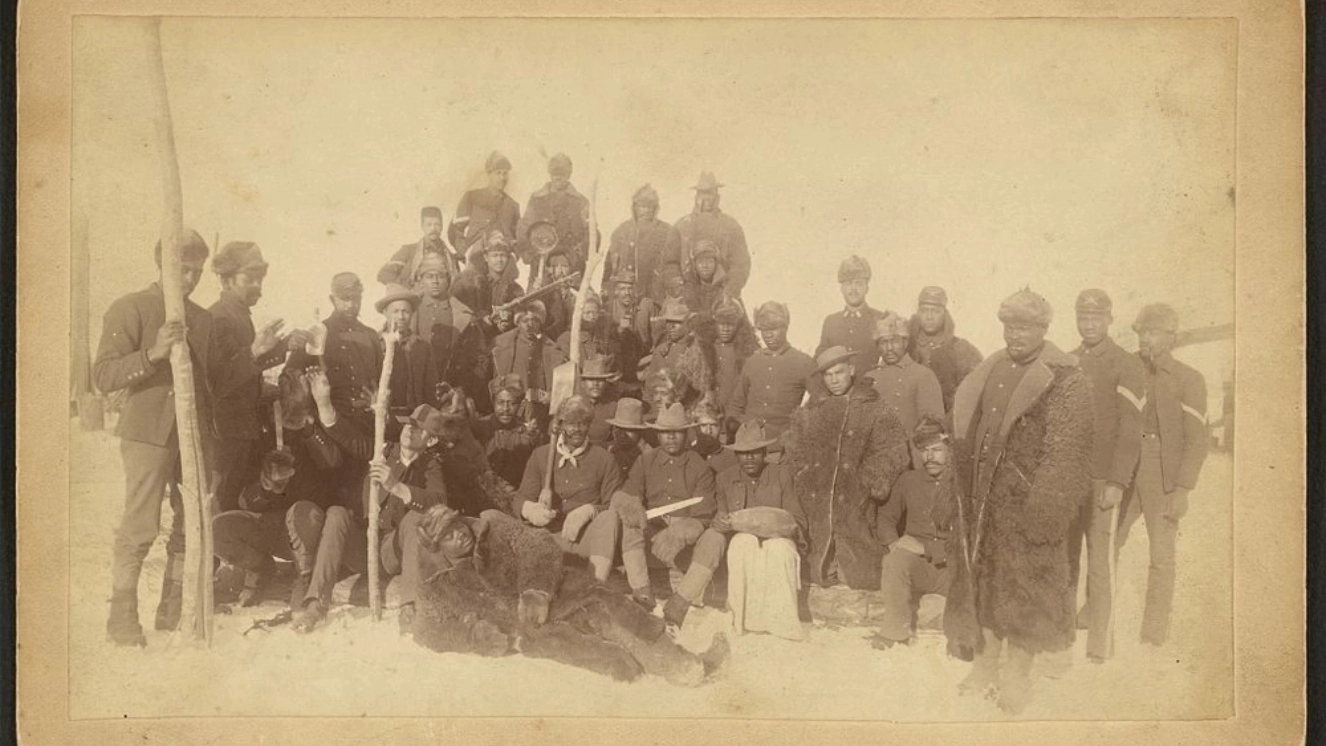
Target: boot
[
  {"x": 1015, "y": 685},
  {"x": 645, "y": 597},
  {"x": 251, "y": 593},
  {"x": 122, "y": 627},
  {"x": 984, "y": 675},
  {"x": 172, "y": 594},
  {"x": 675, "y": 610},
  {"x": 299, "y": 589}
]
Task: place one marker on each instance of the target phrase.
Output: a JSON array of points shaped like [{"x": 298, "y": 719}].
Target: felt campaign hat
[
  {"x": 671, "y": 419},
  {"x": 831, "y": 357},
  {"x": 630, "y": 414},
  {"x": 424, "y": 417},
  {"x": 752, "y": 437},
  {"x": 707, "y": 183},
  {"x": 598, "y": 368},
  {"x": 394, "y": 293}
]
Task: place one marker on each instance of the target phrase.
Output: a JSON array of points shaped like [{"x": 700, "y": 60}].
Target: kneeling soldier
[{"x": 575, "y": 504}]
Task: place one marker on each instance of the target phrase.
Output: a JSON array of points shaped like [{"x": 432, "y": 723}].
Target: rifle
[{"x": 536, "y": 294}]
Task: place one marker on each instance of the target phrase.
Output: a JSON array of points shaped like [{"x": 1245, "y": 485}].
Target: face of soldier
[
  {"x": 752, "y": 462},
  {"x": 838, "y": 379},
  {"x": 674, "y": 285},
  {"x": 774, "y": 337},
  {"x": 399, "y": 313},
  {"x": 644, "y": 210},
  {"x": 661, "y": 397},
  {"x": 458, "y": 542},
  {"x": 706, "y": 201},
  {"x": 530, "y": 325},
  {"x": 625, "y": 294},
  {"x": 1153, "y": 343},
  {"x": 593, "y": 388},
  {"x": 505, "y": 321},
  {"x": 498, "y": 179},
  {"x": 854, "y": 291},
  {"x": 705, "y": 267},
  {"x": 673, "y": 442},
  {"x": 709, "y": 429},
  {"x": 432, "y": 226},
  {"x": 416, "y": 439},
  {"x": 931, "y": 317},
  {"x": 191, "y": 271},
  {"x": 1093, "y": 327},
  {"x": 589, "y": 315},
  {"x": 559, "y": 181},
  {"x": 559, "y": 267},
  {"x": 346, "y": 308},
  {"x": 275, "y": 485},
  {"x": 245, "y": 286},
  {"x": 1024, "y": 340},
  {"x": 497, "y": 261},
  {"x": 435, "y": 284},
  {"x": 892, "y": 348},
  {"x": 505, "y": 407},
  {"x": 574, "y": 433},
  {"x": 726, "y": 331},
  {"x": 676, "y": 330},
  {"x": 935, "y": 458}
]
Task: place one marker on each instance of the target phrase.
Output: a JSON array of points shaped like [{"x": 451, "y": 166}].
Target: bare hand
[
  {"x": 545, "y": 497},
  {"x": 266, "y": 338},
  {"x": 297, "y": 340},
  {"x": 722, "y": 524},
  {"x": 381, "y": 475},
  {"x": 319, "y": 386},
  {"x": 169, "y": 333}
]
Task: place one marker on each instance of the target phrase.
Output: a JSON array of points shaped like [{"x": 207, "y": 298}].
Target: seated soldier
[
  {"x": 916, "y": 562},
  {"x": 756, "y": 505},
  {"x": 511, "y": 432},
  {"x": 526, "y": 352},
  {"x": 628, "y": 425},
  {"x": 574, "y": 504},
  {"x": 472, "y": 485},
  {"x": 410, "y": 480},
  {"x": 493, "y": 586},
  {"x": 681, "y": 539},
  {"x": 709, "y": 436},
  {"x": 248, "y": 538},
  {"x": 597, "y": 381},
  {"x": 733, "y": 342}
]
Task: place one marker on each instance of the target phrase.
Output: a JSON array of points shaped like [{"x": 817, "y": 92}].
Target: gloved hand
[
  {"x": 689, "y": 529},
  {"x": 667, "y": 544},
  {"x": 1109, "y": 496},
  {"x": 533, "y": 607},
  {"x": 576, "y": 521},
  {"x": 722, "y": 524},
  {"x": 537, "y": 514},
  {"x": 631, "y": 509},
  {"x": 1178, "y": 503}
]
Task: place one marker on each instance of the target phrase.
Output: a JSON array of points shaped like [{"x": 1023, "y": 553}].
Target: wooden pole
[
  {"x": 196, "y": 609},
  {"x": 381, "y": 407}
]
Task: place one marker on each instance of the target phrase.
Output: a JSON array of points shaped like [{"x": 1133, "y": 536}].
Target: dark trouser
[
  {"x": 150, "y": 472},
  {"x": 598, "y": 539},
  {"x": 399, "y": 553},
  {"x": 1148, "y": 500},
  {"x": 325, "y": 544},
  {"x": 698, "y": 561},
  {"x": 249, "y": 540},
  {"x": 1093, "y": 524},
  {"x": 235, "y": 464},
  {"x": 905, "y": 577}
]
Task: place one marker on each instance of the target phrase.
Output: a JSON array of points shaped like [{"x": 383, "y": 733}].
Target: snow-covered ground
[{"x": 354, "y": 666}]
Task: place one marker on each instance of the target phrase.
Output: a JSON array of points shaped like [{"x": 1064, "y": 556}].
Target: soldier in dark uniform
[
  {"x": 559, "y": 203},
  {"x": 705, "y": 281},
  {"x": 511, "y": 432},
  {"x": 641, "y": 246},
  {"x": 414, "y": 375},
  {"x": 706, "y": 221},
  {"x": 403, "y": 268},
  {"x": 854, "y": 326},
  {"x": 733, "y": 343},
  {"x": 134, "y": 355},
  {"x": 353, "y": 351},
  {"x": 632, "y": 317},
  {"x": 628, "y": 425},
  {"x": 1174, "y": 446},
  {"x": 597, "y": 334},
  {"x": 530, "y": 355},
  {"x": 598, "y": 379},
  {"x": 934, "y": 345},
  {"x": 489, "y": 283},
  {"x": 482, "y": 211},
  {"x": 440, "y": 317},
  {"x": 773, "y": 381}
]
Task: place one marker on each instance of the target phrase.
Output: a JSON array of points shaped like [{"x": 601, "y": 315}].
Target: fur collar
[{"x": 1037, "y": 380}]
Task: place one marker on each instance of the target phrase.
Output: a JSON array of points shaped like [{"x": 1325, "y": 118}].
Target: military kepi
[{"x": 1093, "y": 300}]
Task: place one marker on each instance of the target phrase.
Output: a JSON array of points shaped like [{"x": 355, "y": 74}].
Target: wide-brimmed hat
[
  {"x": 624, "y": 275},
  {"x": 598, "y": 368},
  {"x": 707, "y": 183},
  {"x": 675, "y": 309},
  {"x": 425, "y": 417},
  {"x": 278, "y": 466},
  {"x": 630, "y": 415},
  {"x": 752, "y": 437},
  {"x": 394, "y": 293},
  {"x": 671, "y": 419},
  {"x": 831, "y": 357}
]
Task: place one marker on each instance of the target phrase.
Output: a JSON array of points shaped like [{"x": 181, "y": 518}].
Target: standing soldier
[
  {"x": 681, "y": 352},
  {"x": 1174, "y": 445},
  {"x": 632, "y": 317},
  {"x": 353, "y": 352},
  {"x": 705, "y": 282},
  {"x": 237, "y": 411},
  {"x": 854, "y": 326},
  {"x": 640, "y": 247},
  {"x": 530, "y": 355},
  {"x": 908, "y": 387},
  {"x": 134, "y": 355},
  {"x": 734, "y": 342},
  {"x": 1023, "y": 421},
  {"x": 440, "y": 317},
  {"x": 558, "y": 203},
  {"x": 414, "y": 375},
  {"x": 706, "y": 221},
  {"x": 1117, "y": 384},
  {"x": 934, "y": 346},
  {"x": 482, "y": 211},
  {"x": 403, "y": 268},
  {"x": 773, "y": 380},
  {"x": 846, "y": 450},
  {"x": 597, "y": 334}
]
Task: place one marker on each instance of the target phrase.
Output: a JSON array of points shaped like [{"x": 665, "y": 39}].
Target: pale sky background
[{"x": 977, "y": 155}]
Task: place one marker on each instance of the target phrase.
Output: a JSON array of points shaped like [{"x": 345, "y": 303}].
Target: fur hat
[
  {"x": 932, "y": 295},
  {"x": 672, "y": 419},
  {"x": 1157, "y": 317},
  {"x": 890, "y": 325},
  {"x": 496, "y": 240},
  {"x": 772, "y": 315},
  {"x": 1093, "y": 300},
  {"x": 854, "y": 268},
  {"x": 559, "y": 165},
  {"x": 239, "y": 256},
  {"x": 394, "y": 293},
  {"x": 726, "y": 310},
  {"x": 675, "y": 309},
  {"x": 645, "y": 195},
  {"x": 536, "y": 308},
  {"x": 1026, "y": 307},
  {"x": 707, "y": 411},
  {"x": 497, "y": 162},
  {"x": 507, "y": 382},
  {"x": 702, "y": 247},
  {"x": 433, "y": 262}
]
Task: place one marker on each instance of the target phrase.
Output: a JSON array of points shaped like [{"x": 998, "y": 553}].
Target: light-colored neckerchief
[{"x": 565, "y": 455}]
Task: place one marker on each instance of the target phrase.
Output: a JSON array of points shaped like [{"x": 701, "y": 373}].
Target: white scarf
[{"x": 566, "y": 455}]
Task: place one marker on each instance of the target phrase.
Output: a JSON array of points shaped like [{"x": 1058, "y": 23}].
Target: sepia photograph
[{"x": 778, "y": 369}]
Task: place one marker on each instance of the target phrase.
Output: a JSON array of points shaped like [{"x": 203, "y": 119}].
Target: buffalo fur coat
[
  {"x": 1010, "y": 550},
  {"x": 474, "y": 606},
  {"x": 845, "y": 453}
]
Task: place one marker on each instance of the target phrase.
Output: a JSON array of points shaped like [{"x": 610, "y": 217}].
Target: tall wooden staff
[
  {"x": 196, "y": 607},
  {"x": 381, "y": 407}
]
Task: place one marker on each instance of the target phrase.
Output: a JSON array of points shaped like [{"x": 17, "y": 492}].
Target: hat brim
[
  {"x": 600, "y": 376},
  {"x": 676, "y": 317},
  {"x": 757, "y": 445},
  {"x": 671, "y": 428},
  {"x": 845, "y": 358},
  {"x": 387, "y": 301},
  {"x": 627, "y": 425}
]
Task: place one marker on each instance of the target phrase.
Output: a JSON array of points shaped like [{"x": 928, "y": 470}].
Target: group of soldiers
[{"x": 698, "y": 441}]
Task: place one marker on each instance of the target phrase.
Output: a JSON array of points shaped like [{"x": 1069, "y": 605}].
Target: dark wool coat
[
  {"x": 950, "y": 357},
  {"x": 1020, "y": 572},
  {"x": 845, "y": 453},
  {"x": 472, "y": 607}
]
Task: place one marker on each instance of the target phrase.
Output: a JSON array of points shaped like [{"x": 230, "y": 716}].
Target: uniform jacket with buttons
[
  {"x": 1178, "y": 394},
  {"x": 856, "y": 333},
  {"x": 237, "y": 408},
  {"x": 642, "y": 248},
  {"x": 660, "y": 478},
  {"x": 771, "y": 386},
  {"x": 592, "y": 480},
  {"x": 129, "y": 330},
  {"x": 911, "y": 389},
  {"x": 726, "y": 232},
  {"x": 1118, "y": 390},
  {"x": 772, "y": 489},
  {"x": 353, "y": 359}
]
